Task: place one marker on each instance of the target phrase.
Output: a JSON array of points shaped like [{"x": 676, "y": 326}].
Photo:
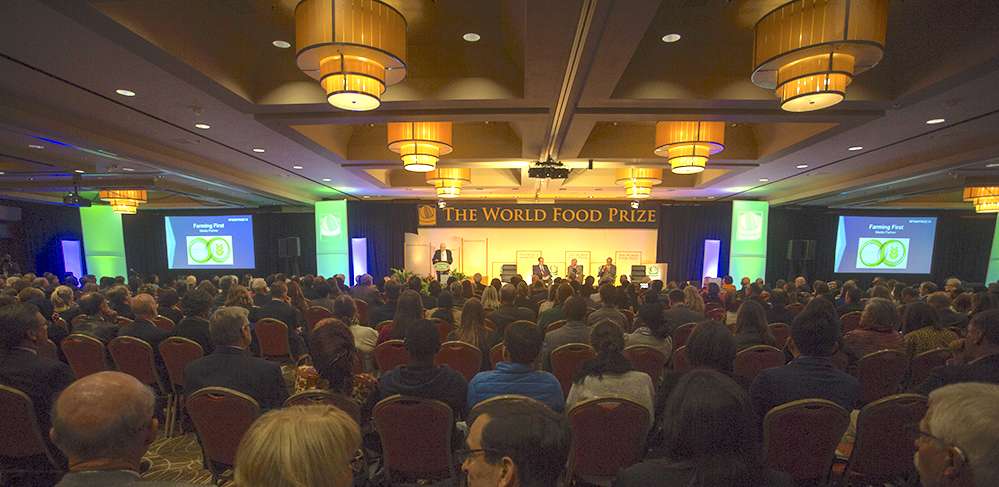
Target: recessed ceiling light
[
  {"x": 935, "y": 121},
  {"x": 802, "y": 166},
  {"x": 327, "y": 179},
  {"x": 471, "y": 37},
  {"x": 671, "y": 37},
  {"x": 281, "y": 44},
  {"x": 35, "y": 146},
  {"x": 125, "y": 92},
  {"x": 711, "y": 197},
  {"x": 297, "y": 167},
  {"x": 763, "y": 180},
  {"x": 856, "y": 147},
  {"x": 258, "y": 150},
  {"x": 202, "y": 126},
  {"x": 128, "y": 169},
  {"x": 366, "y": 196},
  {"x": 1, "y": 172},
  {"x": 994, "y": 164},
  {"x": 79, "y": 171},
  {"x": 591, "y": 196}
]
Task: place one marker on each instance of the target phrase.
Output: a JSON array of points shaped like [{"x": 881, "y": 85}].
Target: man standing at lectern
[
  {"x": 608, "y": 269},
  {"x": 541, "y": 270},
  {"x": 442, "y": 255}
]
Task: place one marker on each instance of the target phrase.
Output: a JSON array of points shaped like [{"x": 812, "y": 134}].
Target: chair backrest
[
  {"x": 177, "y": 352},
  {"x": 923, "y": 363},
  {"x": 489, "y": 324},
  {"x": 628, "y": 315},
  {"x": 444, "y": 327},
  {"x": 390, "y": 353},
  {"x": 316, "y": 314},
  {"x": 800, "y": 437},
  {"x": 382, "y": 324},
  {"x": 608, "y": 435},
  {"x": 460, "y": 356},
  {"x": 61, "y": 322},
  {"x": 273, "y": 338},
  {"x": 881, "y": 373},
  {"x": 883, "y": 448},
  {"x": 48, "y": 350},
  {"x": 678, "y": 360},
  {"x": 851, "y": 320},
  {"x": 795, "y": 308},
  {"x": 681, "y": 333},
  {"x": 555, "y": 326},
  {"x": 534, "y": 316},
  {"x": 315, "y": 396},
  {"x": 647, "y": 359},
  {"x": 474, "y": 412},
  {"x": 567, "y": 360},
  {"x": 164, "y": 323},
  {"x": 122, "y": 321},
  {"x": 415, "y": 433},
  {"x": 362, "y": 311},
  {"x": 749, "y": 362},
  {"x": 21, "y": 434},
  {"x": 715, "y": 314},
  {"x": 496, "y": 354},
  {"x": 85, "y": 354},
  {"x": 135, "y": 357},
  {"x": 221, "y": 416},
  {"x": 781, "y": 332}
]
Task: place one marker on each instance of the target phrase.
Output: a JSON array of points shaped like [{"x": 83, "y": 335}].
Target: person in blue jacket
[{"x": 516, "y": 374}]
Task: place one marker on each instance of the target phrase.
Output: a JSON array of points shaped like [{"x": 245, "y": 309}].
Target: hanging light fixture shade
[
  {"x": 809, "y": 50},
  {"x": 638, "y": 183},
  {"x": 688, "y": 144},
  {"x": 985, "y": 198},
  {"x": 124, "y": 200},
  {"x": 448, "y": 180},
  {"x": 420, "y": 143},
  {"x": 355, "y": 48}
]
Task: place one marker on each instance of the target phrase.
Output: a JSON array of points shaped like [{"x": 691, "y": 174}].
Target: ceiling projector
[
  {"x": 76, "y": 200},
  {"x": 548, "y": 169}
]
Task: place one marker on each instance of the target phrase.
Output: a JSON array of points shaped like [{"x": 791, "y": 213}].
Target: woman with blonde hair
[
  {"x": 301, "y": 446},
  {"x": 240, "y": 297},
  {"x": 490, "y": 298},
  {"x": 472, "y": 330},
  {"x": 692, "y": 298},
  {"x": 62, "y": 298}
]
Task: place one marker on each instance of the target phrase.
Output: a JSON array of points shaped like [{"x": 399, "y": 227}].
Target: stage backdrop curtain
[
  {"x": 682, "y": 232},
  {"x": 35, "y": 241},
  {"x": 385, "y": 225}
]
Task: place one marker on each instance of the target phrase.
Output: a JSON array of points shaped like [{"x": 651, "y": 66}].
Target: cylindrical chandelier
[
  {"x": 985, "y": 198},
  {"x": 688, "y": 144},
  {"x": 420, "y": 143},
  {"x": 125, "y": 201},
  {"x": 809, "y": 50},
  {"x": 638, "y": 183},
  {"x": 355, "y": 48},
  {"x": 448, "y": 180}
]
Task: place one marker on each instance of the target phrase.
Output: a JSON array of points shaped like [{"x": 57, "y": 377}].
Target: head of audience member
[
  {"x": 962, "y": 303},
  {"x": 414, "y": 283},
  {"x": 331, "y": 345},
  {"x": 168, "y": 298},
  {"x": 230, "y": 327},
  {"x": 477, "y": 277},
  {"x": 814, "y": 333},
  {"x": 745, "y": 282},
  {"x": 523, "y": 290},
  {"x": 455, "y": 289},
  {"x": 939, "y": 300},
  {"x": 392, "y": 291},
  {"x": 880, "y": 315},
  {"x": 799, "y": 281},
  {"x": 365, "y": 280},
  {"x": 711, "y": 345},
  {"x": 467, "y": 289},
  {"x": 434, "y": 288},
  {"x": 982, "y": 339},
  {"x": 564, "y": 292},
  {"x": 607, "y": 338},
  {"x": 820, "y": 287},
  {"x": 752, "y": 319},
  {"x": 299, "y": 446},
  {"x": 422, "y": 342},
  {"x": 523, "y": 444},
  {"x": 909, "y": 294},
  {"x": 713, "y": 289},
  {"x": 22, "y": 325},
  {"x": 29, "y": 293},
  {"x": 207, "y": 287},
  {"x": 508, "y": 294},
  {"x": 238, "y": 296},
  {"x": 881, "y": 291},
  {"x": 778, "y": 298},
  {"x": 497, "y": 284},
  {"x": 104, "y": 421},
  {"x": 226, "y": 281},
  {"x": 522, "y": 342},
  {"x": 278, "y": 290},
  {"x": 927, "y": 288},
  {"x": 959, "y": 436},
  {"x": 259, "y": 286},
  {"x": 608, "y": 295},
  {"x": 852, "y": 294},
  {"x": 823, "y": 305},
  {"x": 953, "y": 285},
  {"x": 574, "y": 308},
  {"x": 709, "y": 422},
  {"x": 473, "y": 321},
  {"x": 344, "y": 309},
  {"x": 920, "y": 315},
  {"x": 676, "y": 298},
  {"x": 93, "y": 304},
  {"x": 982, "y": 301},
  {"x": 408, "y": 310},
  {"x": 197, "y": 303},
  {"x": 63, "y": 298},
  {"x": 490, "y": 297},
  {"x": 144, "y": 307}
]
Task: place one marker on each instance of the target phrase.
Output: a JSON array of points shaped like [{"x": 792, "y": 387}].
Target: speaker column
[{"x": 289, "y": 250}]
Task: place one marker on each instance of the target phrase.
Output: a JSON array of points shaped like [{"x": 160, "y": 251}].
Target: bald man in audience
[{"x": 104, "y": 424}]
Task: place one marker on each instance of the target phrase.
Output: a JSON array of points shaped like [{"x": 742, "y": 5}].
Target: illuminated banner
[
  {"x": 749, "y": 239},
  {"x": 103, "y": 241},
  {"x": 538, "y": 216},
  {"x": 331, "y": 238}
]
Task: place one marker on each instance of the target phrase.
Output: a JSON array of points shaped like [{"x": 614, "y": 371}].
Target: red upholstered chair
[
  {"x": 383, "y": 324},
  {"x": 135, "y": 357},
  {"x": 122, "y": 321},
  {"x": 678, "y": 360},
  {"x": 315, "y": 396},
  {"x": 177, "y": 352},
  {"x": 749, "y": 362},
  {"x": 444, "y": 327},
  {"x": 800, "y": 438},
  {"x": 460, "y": 356},
  {"x": 712, "y": 305},
  {"x": 390, "y": 353},
  {"x": 781, "y": 332},
  {"x": 272, "y": 335},
  {"x": 681, "y": 333},
  {"x": 535, "y": 325},
  {"x": 567, "y": 360},
  {"x": 22, "y": 436},
  {"x": 222, "y": 416},
  {"x": 85, "y": 354},
  {"x": 851, "y": 320},
  {"x": 61, "y": 322},
  {"x": 474, "y": 412},
  {"x": 489, "y": 324},
  {"x": 534, "y": 316},
  {"x": 362, "y": 311},
  {"x": 795, "y": 308},
  {"x": 315, "y": 314},
  {"x": 715, "y": 314},
  {"x": 164, "y": 323},
  {"x": 48, "y": 350},
  {"x": 496, "y": 354},
  {"x": 555, "y": 326},
  {"x": 923, "y": 363},
  {"x": 608, "y": 435},
  {"x": 631, "y": 319},
  {"x": 416, "y": 437},
  {"x": 647, "y": 359},
  {"x": 883, "y": 448},
  {"x": 881, "y": 374}
]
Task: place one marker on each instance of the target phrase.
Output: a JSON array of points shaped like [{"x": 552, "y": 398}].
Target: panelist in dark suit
[
  {"x": 542, "y": 271},
  {"x": 231, "y": 366},
  {"x": 279, "y": 309},
  {"x": 608, "y": 269},
  {"x": 442, "y": 255}
]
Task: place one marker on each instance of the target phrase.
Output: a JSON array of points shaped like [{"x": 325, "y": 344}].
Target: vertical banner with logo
[
  {"x": 103, "y": 241},
  {"x": 656, "y": 272},
  {"x": 749, "y": 239},
  {"x": 332, "y": 249}
]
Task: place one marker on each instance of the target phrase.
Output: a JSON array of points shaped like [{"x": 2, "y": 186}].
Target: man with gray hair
[
  {"x": 367, "y": 292},
  {"x": 104, "y": 424},
  {"x": 232, "y": 367},
  {"x": 878, "y": 329},
  {"x": 958, "y": 439},
  {"x": 225, "y": 282},
  {"x": 143, "y": 328}
]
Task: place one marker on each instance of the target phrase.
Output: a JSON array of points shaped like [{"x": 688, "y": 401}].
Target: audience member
[
  {"x": 99, "y": 320},
  {"x": 365, "y": 338},
  {"x": 143, "y": 328},
  {"x": 278, "y": 308},
  {"x": 958, "y": 437},
  {"x": 194, "y": 326},
  {"x": 238, "y": 296},
  {"x": 653, "y": 332},
  {"x": 332, "y": 349},
  {"x": 508, "y": 312},
  {"x": 472, "y": 330},
  {"x": 225, "y": 282},
  {"x": 408, "y": 310},
  {"x": 574, "y": 331},
  {"x": 851, "y": 299},
  {"x": 751, "y": 327},
  {"x": 119, "y": 299},
  {"x": 976, "y": 356},
  {"x": 367, "y": 292},
  {"x": 941, "y": 301},
  {"x": 167, "y": 303},
  {"x": 777, "y": 312},
  {"x": 608, "y": 310},
  {"x": 610, "y": 372},
  {"x": 692, "y": 298},
  {"x": 322, "y": 291},
  {"x": 386, "y": 312},
  {"x": 490, "y": 298},
  {"x": 556, "y": 313},
  {"x": 926, "y": 332},
  {"x": 878, "y": 329},
  {"x": 445, "y": 309},
  {"x": 516, "y": 374}
]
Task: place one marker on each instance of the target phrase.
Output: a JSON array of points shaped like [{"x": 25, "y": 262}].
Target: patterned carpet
[{"x": 176, "y": 459}]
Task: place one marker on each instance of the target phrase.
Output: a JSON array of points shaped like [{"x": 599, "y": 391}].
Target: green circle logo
[
  {"x": 891, "y": 253},
  {"x": 216, "y": 249}
]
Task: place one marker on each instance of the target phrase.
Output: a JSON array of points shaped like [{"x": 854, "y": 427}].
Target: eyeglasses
[
  {"x": 461, "y": 455},
  {"x": 357, "y": 462},
  {"x": 917, "y": 432}
]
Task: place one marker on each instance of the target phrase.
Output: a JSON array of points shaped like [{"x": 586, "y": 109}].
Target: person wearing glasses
[
  {"x": 976, "y": 356},
  {"x": 958, "y": 438},
  {"x": 515, "y": 442}
]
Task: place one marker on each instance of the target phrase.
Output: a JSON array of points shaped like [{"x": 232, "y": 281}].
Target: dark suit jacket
[
  {"x": 506, "y": 314},
  {"x": 542, "y": 270},
  {"x": 949, "y": 318},
  {"x": 382, "y": 313},
  {"x": 985, "y": 369},
  {"x": 322, "y": 303},
  {"x": 681, "y": 315},
  {"x": 804, "y": 378},
  {"x": 97, "y": 328},
  {"x": 42, "y": 379},
  {"x": 173, "y": 314},
  {"x": 611, "y": 272},
  {"x": 368, "y": 294},
  {"x": 261, "y": 299},
  {"x": 848, "y": 308},
  {"x": 442, "y": 258},
  {"x": 148, "y": 332},
  {"x": 278, "y": 310},
  {"x": 195, "y": 329},
  {"x": 235, "y": 369}
]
